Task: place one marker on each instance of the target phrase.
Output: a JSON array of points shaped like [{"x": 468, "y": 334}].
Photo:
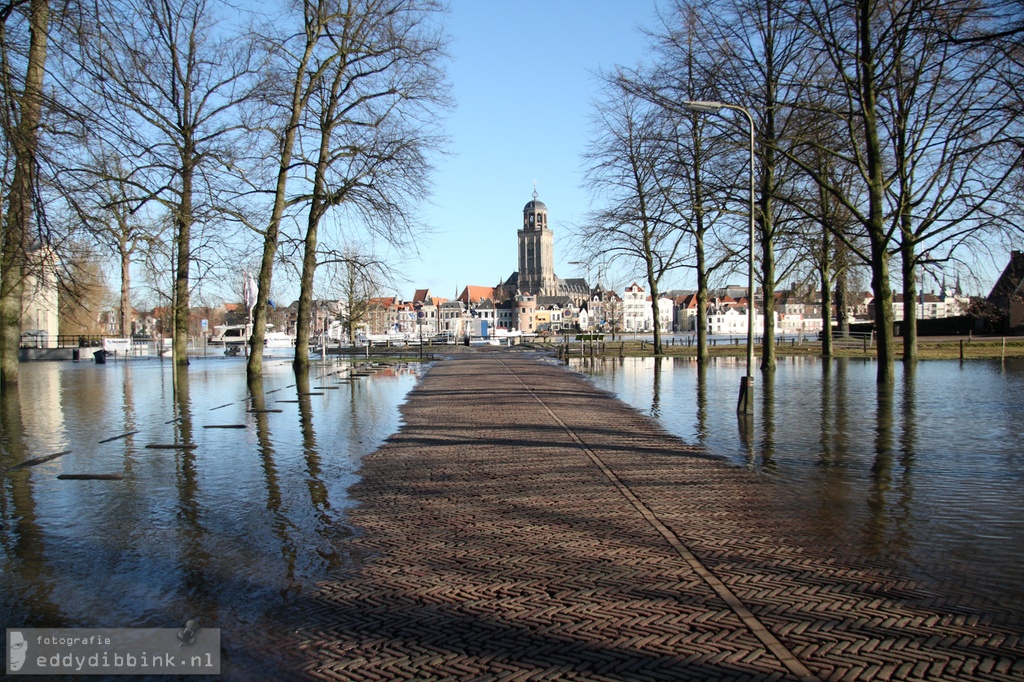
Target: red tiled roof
[{"x": 475, "y": 294}]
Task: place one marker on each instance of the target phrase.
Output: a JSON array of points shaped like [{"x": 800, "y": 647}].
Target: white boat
[{"x": 238, "y": 335}]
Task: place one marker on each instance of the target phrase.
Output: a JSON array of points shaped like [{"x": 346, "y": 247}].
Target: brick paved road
[{"x": 523, "y": 525}]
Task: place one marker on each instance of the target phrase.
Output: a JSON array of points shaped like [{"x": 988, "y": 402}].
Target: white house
[
  {"x": 636, "y": 312},
  {"x": 665, "y": 313},
  {"x": 39, "y": 299},
  {"x": 733, "y": 322}
]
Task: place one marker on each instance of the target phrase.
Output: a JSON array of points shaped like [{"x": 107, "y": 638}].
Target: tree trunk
[
  {"x": 768, "y": 305},
  {"x": 874, "y": 171},
  {"x": 182, "y": 242},
  {"x": 826, "y": 316},
  {"x": 254, "y": 365},
  {"x": 767, "y": 222},
  {"x": 305, "y": 312},
  {"x": 825, "y": 273},
  {"x": 23, "y": 142},
  {"x": 909, "y": 326},
  {"x": 652, "y": 282},
  {"x": 883, "y": 310},
  {"x": 842, "y": 300},
  {"x": 703, "y": 354},
  {"x": 126, "y": 298}
]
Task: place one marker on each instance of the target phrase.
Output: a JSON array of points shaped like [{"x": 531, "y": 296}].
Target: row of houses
[{"x": 479, "y": 310}]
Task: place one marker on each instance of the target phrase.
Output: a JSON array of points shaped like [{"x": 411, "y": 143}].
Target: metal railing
[{"x": 44, "y": 340}]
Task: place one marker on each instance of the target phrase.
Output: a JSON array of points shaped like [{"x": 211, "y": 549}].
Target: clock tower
[{"x": 537, "y": 251}]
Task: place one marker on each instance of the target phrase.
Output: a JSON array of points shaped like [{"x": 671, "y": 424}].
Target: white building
[
  {"x": 39, "y": 318},
  {"x": 931, "y": 306},
  {"x": 665, "y": 313},
  {"x": 733, "y": 322},
  {"x": 797, "y": 324},
  {"x": 636, "y": 312}
]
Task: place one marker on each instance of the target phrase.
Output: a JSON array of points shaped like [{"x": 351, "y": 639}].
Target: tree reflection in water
[{"x": 210, "y": 533}]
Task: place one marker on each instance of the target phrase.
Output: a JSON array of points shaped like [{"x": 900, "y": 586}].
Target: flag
[{"x": 249, "y": 291}]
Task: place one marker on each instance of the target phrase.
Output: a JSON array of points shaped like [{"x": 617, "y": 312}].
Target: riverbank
[
  {"x": 523, "y": 524},
  {"x": 929, "y": 348}
]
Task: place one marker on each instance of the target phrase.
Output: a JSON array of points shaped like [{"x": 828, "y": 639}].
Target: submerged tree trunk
[
  {"x": 768, "y": 301},
  {"x": 653, "y": 283}
]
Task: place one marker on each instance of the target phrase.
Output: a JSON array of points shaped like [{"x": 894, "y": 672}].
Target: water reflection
[
  {"x": 22, "y": 538},
  {"x": 228, "y": 528},
  {"x": 702, "y": 404},
  {"x": 927, "y": 469},
  {"x": 656, "y": 388}
]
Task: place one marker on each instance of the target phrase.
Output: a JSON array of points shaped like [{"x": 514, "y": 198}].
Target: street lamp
[{"x": 745, "y": 404}]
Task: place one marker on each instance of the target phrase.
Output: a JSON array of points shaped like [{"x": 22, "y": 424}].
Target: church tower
[{"x": 537, "y": 251}]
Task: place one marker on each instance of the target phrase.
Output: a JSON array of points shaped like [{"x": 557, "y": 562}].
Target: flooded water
[
  {"x": 228, "y": 531},
  {"x": 929, "y": 470}
]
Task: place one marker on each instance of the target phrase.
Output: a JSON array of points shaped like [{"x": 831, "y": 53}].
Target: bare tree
[
  {"x": 697, "y": 173},
  {"x": 626, "y": 167},
  {"x": 951, "y": 142},
  {"x": 169, "y": 80},
  {"x": 762, "y": 63},
  {"x": 107, "y": 204},
  {"x": 22, "y": 69},
  {"x": 359, "y": 277},
  {"x": 921, "y": 138},
  {"x": 293, "y": 68},
  {"x": 372, "y": 116},
  {"x": 849, "y": 34}
]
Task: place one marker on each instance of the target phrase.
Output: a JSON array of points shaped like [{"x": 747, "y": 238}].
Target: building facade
[{"x": 537, "y": 251}]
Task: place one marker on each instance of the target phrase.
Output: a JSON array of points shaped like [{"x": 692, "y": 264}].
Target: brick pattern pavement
[{"x": 523, "y": 525}]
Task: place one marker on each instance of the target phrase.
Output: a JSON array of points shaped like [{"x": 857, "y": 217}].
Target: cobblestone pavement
[{"x": 523, "y": 525}]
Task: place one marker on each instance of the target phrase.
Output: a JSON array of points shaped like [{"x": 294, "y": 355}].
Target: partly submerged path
[{"x": 523, "y": 525}]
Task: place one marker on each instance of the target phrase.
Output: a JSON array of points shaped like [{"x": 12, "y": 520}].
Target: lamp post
[{"x": 745, "y": 405}]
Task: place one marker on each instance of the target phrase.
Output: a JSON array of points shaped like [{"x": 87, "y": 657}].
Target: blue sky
[{"x": 523, "y": 77}]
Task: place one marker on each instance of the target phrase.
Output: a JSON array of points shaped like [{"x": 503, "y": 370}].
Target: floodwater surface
[
  {"x": 230, "y": 522},
  {"x": 928, "y": 470}
]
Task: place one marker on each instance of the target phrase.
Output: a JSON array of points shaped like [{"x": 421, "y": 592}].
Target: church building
[{"x": 536, "y": 275}]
